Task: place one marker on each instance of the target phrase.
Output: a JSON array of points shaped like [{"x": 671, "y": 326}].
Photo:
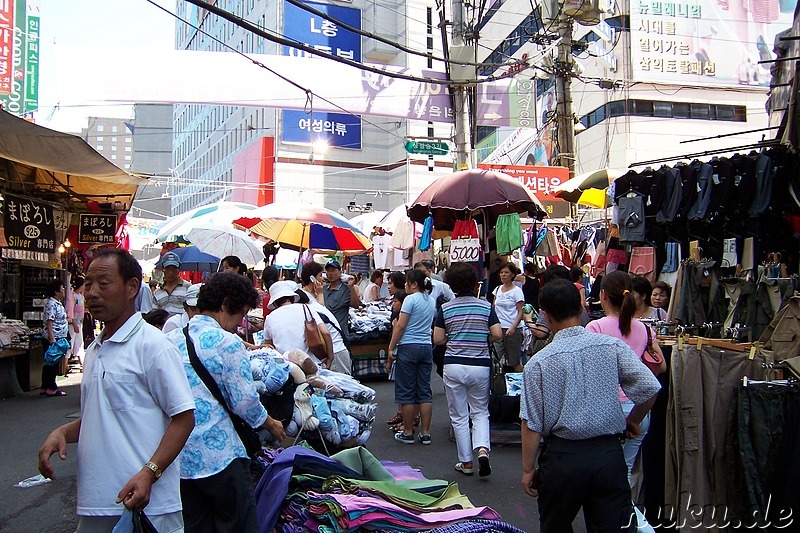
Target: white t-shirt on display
[
  {"x": 133, "y": 383},
  {"x": 285, "y": 327},
  {"x": 368, "y": 292},
  {"x": 505, "y": 305}
]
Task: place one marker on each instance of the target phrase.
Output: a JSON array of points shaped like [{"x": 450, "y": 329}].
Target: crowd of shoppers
[{"x": 581, "y": 392}]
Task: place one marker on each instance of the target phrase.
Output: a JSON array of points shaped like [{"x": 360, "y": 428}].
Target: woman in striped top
[{"x": 466, "y": 325}]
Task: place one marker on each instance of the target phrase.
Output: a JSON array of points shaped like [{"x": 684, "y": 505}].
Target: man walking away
[{"x": 570, "y": 397}]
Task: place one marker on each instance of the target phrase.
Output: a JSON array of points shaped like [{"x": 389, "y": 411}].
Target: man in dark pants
[{"x": 571, "y": 398}]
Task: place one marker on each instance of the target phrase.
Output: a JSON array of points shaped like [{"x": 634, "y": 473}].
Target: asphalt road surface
[{"x": 26, "y": 420}]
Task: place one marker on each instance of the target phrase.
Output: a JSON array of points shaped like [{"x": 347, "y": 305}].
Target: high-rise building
[
  {"x": 262, "y": 155},
  {"x": 112, "y": 138}
]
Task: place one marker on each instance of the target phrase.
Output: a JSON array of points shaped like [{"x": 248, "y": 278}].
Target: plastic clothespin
[
  {"x": 699, "y": 343},
  {"x": 680, "y": 342}
]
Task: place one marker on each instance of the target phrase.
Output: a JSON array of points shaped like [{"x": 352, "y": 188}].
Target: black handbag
[
  {"x": 250, "y": 439},
  {"x": 498, "y": 383},
  {"x": 142, "y": 524}
]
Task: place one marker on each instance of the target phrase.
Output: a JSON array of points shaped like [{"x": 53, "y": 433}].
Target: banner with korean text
[
  {"x": 19, "y": 56},
  {"x": 338, "y": 130},
  {"x": 541, "y": 181},
  {"x": 706, "y": 43}
]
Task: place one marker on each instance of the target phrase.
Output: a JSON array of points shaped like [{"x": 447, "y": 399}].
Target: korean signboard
[
  {"x": 19, "y": 93},
  {"x": 29, "y": 225},
  {"x": 335, "y": 129},
  {"x": 6, "y": 45},
  {"x": 541, "y": 181},
  {"x": 97, "y": 229},
  {"x": 691, "y": 42}
]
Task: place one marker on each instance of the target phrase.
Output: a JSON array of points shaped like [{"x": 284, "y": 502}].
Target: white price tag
[{"x": 465, "y": 250}]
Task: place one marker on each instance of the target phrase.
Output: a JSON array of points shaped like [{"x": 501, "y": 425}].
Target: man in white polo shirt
[{"x": 136, "y": 408}]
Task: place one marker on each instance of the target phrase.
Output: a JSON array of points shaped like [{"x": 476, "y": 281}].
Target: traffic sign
[{"x": 427, "y": 147}]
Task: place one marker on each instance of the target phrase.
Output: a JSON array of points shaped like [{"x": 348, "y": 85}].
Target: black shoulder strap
[
  {"x": 335, "y": 325},
  {"x": 207, "y": 379}
]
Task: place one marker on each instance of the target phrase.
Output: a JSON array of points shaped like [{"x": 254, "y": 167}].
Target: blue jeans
[{"x": 631, "y": 446}]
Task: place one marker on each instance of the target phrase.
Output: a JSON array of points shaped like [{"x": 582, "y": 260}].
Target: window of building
[
  {"x": 127, "y": 148},
  {"x": 113, "y": 139},
  {"x": 127, "y": 165},
  {"x": 113, "y": 157},
  {"x": 99, "y": 127},
  {"x": 127, "y": 158},
  {"x": 113, "y": 129},
  {"x": 99, "y": 147},
  {"x": 113, "y": 148},
  {"x": 649, "y": 108},
  {"x": 99, "y": 139}
]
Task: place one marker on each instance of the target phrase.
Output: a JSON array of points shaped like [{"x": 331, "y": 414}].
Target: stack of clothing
[
  {"x": 302, "y": 490},
  {"x": 13, "y": 334},
  {"x": 371, "y": 323}
]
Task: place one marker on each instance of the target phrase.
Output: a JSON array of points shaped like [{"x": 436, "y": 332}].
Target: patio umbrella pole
[{"x": 300, "y": 254}]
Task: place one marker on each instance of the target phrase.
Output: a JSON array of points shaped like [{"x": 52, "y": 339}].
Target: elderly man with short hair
[{"x": 136, "y": 408}]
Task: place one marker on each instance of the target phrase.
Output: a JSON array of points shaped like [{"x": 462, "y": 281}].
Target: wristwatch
[{"x": 150, "y": 465}]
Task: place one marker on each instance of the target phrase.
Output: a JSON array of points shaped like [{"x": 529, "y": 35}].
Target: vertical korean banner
[
  {"x": 31, "y": 61},
  {"x": 335, "y": 129},
  {"x": 6, "y": 48}
]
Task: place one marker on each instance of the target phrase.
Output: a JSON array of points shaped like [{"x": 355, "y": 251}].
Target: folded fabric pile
[
  {"x": 302, "y": 490},
  {"x": 13, "y": 334},
  {"x": 370, "y": 323}
]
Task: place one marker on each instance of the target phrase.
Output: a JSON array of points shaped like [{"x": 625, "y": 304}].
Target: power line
[{"x": 239, "y": 21}]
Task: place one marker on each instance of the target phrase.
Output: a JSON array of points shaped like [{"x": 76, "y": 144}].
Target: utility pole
[
  {"x": 459, "y": 93},
  {"x": 565, "y": 120}
]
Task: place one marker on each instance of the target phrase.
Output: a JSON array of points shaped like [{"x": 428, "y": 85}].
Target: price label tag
[{"x": 465, "y": 250}]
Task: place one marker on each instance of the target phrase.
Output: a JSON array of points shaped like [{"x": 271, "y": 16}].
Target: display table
[
  {"x": 9, "y": 385},
  {"x": 369, "y": 359}
]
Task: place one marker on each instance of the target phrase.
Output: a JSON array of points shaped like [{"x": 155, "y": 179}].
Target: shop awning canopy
[{"x": 47, "y": 162}]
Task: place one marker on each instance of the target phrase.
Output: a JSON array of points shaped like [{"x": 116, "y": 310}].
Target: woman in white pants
[
  {"x": 467, "y": 325},
  {"x": 77, "y": 319}
]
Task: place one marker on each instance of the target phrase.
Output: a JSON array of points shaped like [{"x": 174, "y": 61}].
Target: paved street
[{"x": 26, "y": 420}]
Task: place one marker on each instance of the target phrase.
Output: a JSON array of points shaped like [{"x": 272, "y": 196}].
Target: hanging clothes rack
[
  {"x": 762, "y": 144},
  {"x": 730, "y": 134}
]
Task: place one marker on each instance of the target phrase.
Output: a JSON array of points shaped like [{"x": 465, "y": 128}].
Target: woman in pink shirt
[{"x": 620, "y": 306}]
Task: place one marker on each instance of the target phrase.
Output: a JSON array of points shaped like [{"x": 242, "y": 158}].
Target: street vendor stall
[{"x": 47, "y": 177}]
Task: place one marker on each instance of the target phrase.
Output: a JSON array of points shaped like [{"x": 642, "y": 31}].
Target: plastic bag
[
  {"x": 134, "y": 522},
  {"x": 125, "y": 524},
  {"x": 33, "y": 481}
]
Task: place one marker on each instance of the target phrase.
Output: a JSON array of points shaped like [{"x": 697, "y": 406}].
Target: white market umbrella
[
  {"x": 224, "y": 241},
  {"x": 366, "y": 221},
  {"x": 219, "y": 214}
]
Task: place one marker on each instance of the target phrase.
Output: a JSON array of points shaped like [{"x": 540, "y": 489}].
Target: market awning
[{"x": 46, "y": 160}]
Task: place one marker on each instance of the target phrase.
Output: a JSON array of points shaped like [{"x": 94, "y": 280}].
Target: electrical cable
[
  {"x": 308, "y": 92},
  {"x": 242, "y": 23}
]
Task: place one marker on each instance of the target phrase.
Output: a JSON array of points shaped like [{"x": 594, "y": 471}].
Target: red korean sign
[
  {"x": 541, "y": 181},
  {"x": 6, "y": 45}
]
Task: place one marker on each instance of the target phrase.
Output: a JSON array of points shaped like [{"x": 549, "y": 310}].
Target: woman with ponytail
[
  {"x": 411, "y": 350},
  {"x": 619, "y": 303}
]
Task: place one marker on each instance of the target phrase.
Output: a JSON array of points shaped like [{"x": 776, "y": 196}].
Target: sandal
[
  {"x": 396, "y": 419},
  {"x": 56, "y": 393},
  {"x": 466, "y": 470}
]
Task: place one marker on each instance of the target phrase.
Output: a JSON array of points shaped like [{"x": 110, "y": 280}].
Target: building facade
[
  {"x": 112, "y": 138},
  {"x": 262, "y": 155},
  {"x": 652, "y": 79}
]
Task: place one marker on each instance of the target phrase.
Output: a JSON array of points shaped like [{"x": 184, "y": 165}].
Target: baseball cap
[
  {"x": 333, "y": 263},
  {"x": 171, "y": 259},
  {"x": 192, "y": 293}
]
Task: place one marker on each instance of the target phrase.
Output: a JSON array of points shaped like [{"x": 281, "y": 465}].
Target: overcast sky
[{"x": 90, "y": 23}]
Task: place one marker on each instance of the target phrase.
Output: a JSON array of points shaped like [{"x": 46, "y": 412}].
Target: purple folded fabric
[
  {"x": 359, "y": 511},
  {"x": 402, "y": 470}
]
